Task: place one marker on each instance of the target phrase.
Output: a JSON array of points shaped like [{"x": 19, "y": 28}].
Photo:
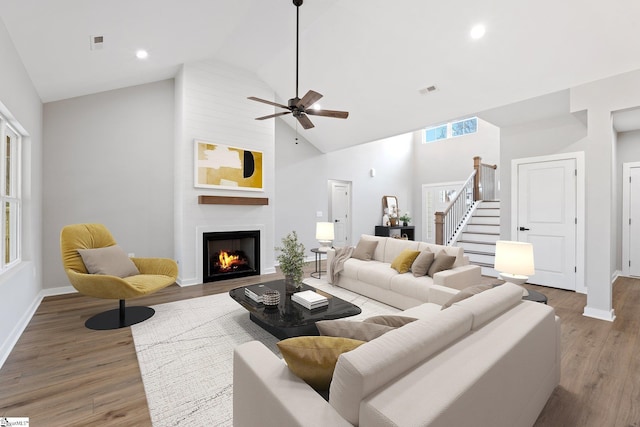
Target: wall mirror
[{"x": 390, "y": 206}]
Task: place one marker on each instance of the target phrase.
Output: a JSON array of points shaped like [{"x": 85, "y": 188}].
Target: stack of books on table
[
  {"x": 310, "y": 299},
  {"x": 256, "y": 293}
]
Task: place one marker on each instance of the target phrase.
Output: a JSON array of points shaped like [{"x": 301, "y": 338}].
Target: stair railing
[
  {"x": 481, "y": 185},
  {"x": 447, "y": 222},
  {"x": 484, "y": 185}
]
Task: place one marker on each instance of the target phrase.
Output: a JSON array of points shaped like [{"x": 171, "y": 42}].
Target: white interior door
[
  {"x": 546, "y": 217},
  {"x": 340, "y": 210},
  {"x": 633, "y": 232}
]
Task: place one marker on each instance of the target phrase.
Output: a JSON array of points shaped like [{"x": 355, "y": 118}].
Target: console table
[{"x": 386, "y": 231}]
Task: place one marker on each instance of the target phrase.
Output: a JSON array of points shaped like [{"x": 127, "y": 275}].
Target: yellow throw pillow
[
  {"x": 402, "y": 263},
  {"x": 313, "y": 359}
]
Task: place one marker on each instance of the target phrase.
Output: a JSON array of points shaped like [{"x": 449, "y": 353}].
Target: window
[
  {"x": 10, "y": 195},
  {"x": 450, "y": 130}
]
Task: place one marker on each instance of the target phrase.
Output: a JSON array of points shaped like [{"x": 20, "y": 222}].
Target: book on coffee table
[
  {"x": 256, "y": 293},
  {"x": 310, "y": 299}
]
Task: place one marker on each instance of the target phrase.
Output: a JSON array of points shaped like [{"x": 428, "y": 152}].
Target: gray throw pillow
[
  {"x": 352, "y": 329},
  {"x": 364, "y": 250},
  {"x": 112, "y": 261},
  {"x": 441, "y": 262},
  {"x": 466, "y": 293},
  {"x": 421, "y": 265},
  {"x": 390, "y": 320}
]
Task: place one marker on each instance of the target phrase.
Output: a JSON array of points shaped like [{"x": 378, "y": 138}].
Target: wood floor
[{"x": 61, "y": 373}]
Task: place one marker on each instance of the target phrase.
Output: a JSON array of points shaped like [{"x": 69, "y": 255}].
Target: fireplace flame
[{"x": 227, "y": 261}]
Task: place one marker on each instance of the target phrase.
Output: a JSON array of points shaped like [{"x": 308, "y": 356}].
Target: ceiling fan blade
[
  {"x": 264, "y": 101},
  {"x": 304, "y": 121},
  {"x": 308, "y": 100},
  {"x": 328, "y": 113},
  {"x": 271, "y": 116}
]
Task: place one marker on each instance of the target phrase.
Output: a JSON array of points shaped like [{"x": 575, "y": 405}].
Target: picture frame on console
[{"x": 225, "y": 167}]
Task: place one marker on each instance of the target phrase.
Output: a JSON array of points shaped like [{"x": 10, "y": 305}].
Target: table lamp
[
  {"x": 514, "y": 261},
  {"x": 324, "y": 235}
]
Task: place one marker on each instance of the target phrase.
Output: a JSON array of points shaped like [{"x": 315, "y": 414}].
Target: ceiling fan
[{"x": 300, "y": 107}]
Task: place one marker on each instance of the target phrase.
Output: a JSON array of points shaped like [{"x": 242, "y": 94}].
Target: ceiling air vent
[
  {"x": 427, "y": 90},
  {"x": 95, "y": 42}
]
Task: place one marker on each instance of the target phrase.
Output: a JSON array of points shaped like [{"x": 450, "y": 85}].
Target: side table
[{"x": 318, "y": 273}]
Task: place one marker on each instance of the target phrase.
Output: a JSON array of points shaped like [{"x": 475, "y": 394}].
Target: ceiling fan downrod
[{"x": 297, "y": 3}]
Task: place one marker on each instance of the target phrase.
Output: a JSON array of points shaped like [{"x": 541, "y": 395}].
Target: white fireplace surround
[{"x": 200, "y": 230}]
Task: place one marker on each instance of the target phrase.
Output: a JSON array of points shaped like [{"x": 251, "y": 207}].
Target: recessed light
[
  {"x": 142, "y": 54},
  {"x": 478, "y": 31}
]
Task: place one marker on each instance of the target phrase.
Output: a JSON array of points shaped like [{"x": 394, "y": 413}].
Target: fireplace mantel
[{"x": 226, "y": 200}]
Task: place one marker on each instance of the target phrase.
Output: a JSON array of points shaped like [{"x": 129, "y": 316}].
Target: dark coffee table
[{"x": 290, "y": 319}]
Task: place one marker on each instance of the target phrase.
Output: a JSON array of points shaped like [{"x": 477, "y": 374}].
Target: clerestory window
[{"x": 451, "y": 130}]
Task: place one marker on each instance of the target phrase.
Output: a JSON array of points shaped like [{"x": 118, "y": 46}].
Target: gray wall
[
  {"x": 109, "y": 159},
  {"x": 20, "y": 288}
]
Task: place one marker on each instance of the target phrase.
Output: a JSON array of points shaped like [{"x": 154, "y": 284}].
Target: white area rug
[{"x": 185, "y": 353}]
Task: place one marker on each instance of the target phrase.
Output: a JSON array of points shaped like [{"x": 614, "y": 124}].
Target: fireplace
[{"x": 230, "y": 254}]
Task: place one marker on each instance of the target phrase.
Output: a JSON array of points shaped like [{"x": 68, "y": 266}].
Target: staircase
[{"x": 480, "y": 235}]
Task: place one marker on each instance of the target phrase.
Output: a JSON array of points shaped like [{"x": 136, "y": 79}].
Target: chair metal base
[{"x": 119, "y": 318}]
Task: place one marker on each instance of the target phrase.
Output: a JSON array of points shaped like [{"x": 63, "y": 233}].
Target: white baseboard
[{"x": 596, "y": 313}]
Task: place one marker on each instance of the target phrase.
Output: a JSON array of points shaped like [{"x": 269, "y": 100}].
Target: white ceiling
[{"x": 369, "y": 57}]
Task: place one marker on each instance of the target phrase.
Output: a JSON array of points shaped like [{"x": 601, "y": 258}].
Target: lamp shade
[
  {"x": 514, "y": 257},
  {"x": 324, "y": 231}
]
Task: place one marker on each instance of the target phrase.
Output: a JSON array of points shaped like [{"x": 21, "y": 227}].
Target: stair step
[
  {"x": 483, "y": 247},
  {"x": 490, "y": 204},
  {"x": 483, "y": 228},
  {"x": 480, "y": 237},
  {"x": 486, "y": 212},
  {"x": 485, "y": 220}
]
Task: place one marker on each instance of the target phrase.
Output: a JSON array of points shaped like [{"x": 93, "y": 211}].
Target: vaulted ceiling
[{"x": 369, "y": 57}]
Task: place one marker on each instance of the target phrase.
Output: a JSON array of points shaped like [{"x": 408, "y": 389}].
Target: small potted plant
[
  {"x": 405, "y": 218},
  {"x": 291, "y": 260}
]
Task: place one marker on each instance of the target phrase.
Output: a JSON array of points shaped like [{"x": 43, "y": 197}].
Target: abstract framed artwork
[{"x": 225, "y": 167}]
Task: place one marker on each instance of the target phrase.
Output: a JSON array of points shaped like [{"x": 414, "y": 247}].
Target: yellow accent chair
[{"x": 149, "y": 275}]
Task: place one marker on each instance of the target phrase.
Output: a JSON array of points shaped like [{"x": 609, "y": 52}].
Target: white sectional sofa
[
  {"x": 376, "y": 279},
  {"x": 491, "y": 360}
]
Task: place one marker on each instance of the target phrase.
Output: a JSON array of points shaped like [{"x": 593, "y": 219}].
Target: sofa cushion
[
  {"x": 360, "y": 372},
  {"x": 466, "y": 293},
  {"x": 421, "y": 265},
  {"x": 110, "y": 260},
  {"x": 402, "y": 263},
  {"x": 313, "y": 359},
  {"x": 377, "y": 274},
  {"x": 393, "y": 320},
  {"x": 489, "y": 304},
  {"x": 363, "y": 331},
  {"x": 394, "y": 246},
  {"x": 411, "y": 286},
  {"x": 364, "y": 250},
  {"x": 442, "y": 261}
]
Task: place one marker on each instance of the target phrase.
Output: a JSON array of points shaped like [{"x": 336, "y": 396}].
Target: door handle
[{"x": 524, "y": 229}]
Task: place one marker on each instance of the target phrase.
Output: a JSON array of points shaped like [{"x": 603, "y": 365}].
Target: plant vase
[{"x": 290, "y": 284}]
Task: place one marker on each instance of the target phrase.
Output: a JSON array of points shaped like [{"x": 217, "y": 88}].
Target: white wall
[
  {"x": 391, "y": 158},
  {"x": 301, "y": 186},
  {"x": 560, "y": 134},
  {"x": 213, "y": 107},
  {"x": 109, "y": 159},
  {"x": 599, "y": 99},
  {"x": 20, "y": 288},
  {"x": 450, "y": 160}
]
